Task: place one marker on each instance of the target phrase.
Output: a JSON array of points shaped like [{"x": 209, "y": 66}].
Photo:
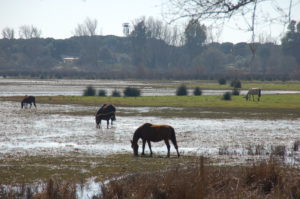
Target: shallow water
[
  {"x": 21, "y": 87},
  {"x": 39, "y": 132}
]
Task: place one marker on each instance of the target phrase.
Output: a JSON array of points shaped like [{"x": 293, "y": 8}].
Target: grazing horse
[
  {"x": 149, "y": 132},
  {"x": 253, "y": 91},
  {"x": 28, "y": 100},
  {"x": 106, "y": 112}
]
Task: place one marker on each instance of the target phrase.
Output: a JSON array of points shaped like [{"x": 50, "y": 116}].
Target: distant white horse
[{"x": 253, "y": 91}]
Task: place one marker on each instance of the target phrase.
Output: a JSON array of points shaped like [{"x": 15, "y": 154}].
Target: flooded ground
[
  {"x": 41, "y": 131},
  {"x": 21, "y": 87}
]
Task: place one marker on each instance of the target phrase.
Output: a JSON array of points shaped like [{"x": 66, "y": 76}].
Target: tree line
[{"x": 151, "y": 50}]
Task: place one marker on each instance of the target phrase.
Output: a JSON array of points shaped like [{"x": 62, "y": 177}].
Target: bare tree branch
[
  {"x": 8, "y": 33},
  {"x": 87, "y": 28},
  {"x": 29, "y": 32}
]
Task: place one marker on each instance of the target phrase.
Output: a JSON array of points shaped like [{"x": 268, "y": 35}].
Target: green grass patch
[
  {"x": 288, "y": 101},
  {"x": 77, "y": 169}
]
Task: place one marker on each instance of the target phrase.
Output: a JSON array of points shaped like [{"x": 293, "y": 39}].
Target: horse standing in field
[
  {"x": 149, "y": 132},
  {"x": 106, "y": 112},
  {"x": 253, "y": 91},
  {"x": 28, "y": 100}
]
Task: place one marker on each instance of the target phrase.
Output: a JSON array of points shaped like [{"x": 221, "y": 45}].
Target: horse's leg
[
  {"x": 144, "y": 143},
  {"x": 168, "y": 146},
  {"x": 175, "y": 145},
  {"x": 149, "y": 144},
  {"x": 107, "y": 121}
]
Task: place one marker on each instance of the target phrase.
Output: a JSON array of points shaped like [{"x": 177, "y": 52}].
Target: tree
[
  {"x": 138, "y": 38},
  {"x": 291, "y": 41},
  {"x": 220, "y": 10},
  {"x": 195, "y": 36},
  {"x": 87, "y": 28},
  {"x": 8, "y": 33},
  {"x": 29, "y": 32}
]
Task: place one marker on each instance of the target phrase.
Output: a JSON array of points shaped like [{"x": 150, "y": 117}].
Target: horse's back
[
  {"x": 157, "y": 133},
  {"x": 107, "y": 108}
]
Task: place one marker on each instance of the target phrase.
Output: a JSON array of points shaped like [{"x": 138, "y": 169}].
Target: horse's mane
[{"x": 147, "y": 125}]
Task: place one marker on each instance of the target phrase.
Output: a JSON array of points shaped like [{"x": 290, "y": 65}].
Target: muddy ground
[{"x": 56, "y": 130}]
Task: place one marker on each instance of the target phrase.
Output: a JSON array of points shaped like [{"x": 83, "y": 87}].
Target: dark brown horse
[
  {"x": 106, "y": 112},
  {"x": 153, "y": 133},
  {"x": 28, "y": 100}
]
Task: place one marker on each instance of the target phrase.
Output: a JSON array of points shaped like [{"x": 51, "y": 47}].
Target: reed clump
[{"x": 267, "y": 179}]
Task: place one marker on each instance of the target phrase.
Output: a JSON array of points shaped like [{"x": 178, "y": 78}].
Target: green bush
[
  {"x": 236, "y": 92},
  {"x": 132, "y": 92},
  {"x": 89, "y": 91},
  {"x": 236, "y": 84},
  {"x": 227, "y": 96},
  {"x": 222, "y": 81},
  {"x": 181, "y": 90},
  {"x": 116, "y": 93},
  {"x": 197, "y": 91},
  {"x": 102, "y": 93}
]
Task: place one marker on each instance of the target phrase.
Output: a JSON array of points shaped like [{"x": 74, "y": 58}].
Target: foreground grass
[
  {"x": 186, "y": 180},
  {"x": 32, "y": 169},
  {"x": 261, "y": 180}
]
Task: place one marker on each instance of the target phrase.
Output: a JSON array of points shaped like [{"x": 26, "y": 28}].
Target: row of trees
[
  {"x": 153, "y": 49},
  {"x": 25, "y": 32}
]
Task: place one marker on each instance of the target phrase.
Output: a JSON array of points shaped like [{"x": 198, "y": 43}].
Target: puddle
[{"x": 36, "y": 132}]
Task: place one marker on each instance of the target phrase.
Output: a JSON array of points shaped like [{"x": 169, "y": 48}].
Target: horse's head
[
  {"x": 135, "y": 147},
  {"x": 113, "y": 117},
  {"x": 97, "y": 121}
]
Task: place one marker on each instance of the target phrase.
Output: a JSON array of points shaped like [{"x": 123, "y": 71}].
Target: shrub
[
  {"x": 181, "y": 90},
  {"x": 116, "y": 93},
  {"x": 89, "y": 91},
  {"x": 296, "y": 145},
  {"x": 132, "y": 92},
  {"x": 197, "y": 91},
  {"x": 236, "y": 84},
  {"x": 236, "y": 92},
  {"x": 102, "y": 93},
  {"x": 278, "y": 150},
  {"x": 222, "y": 81},
  {"x": 227, "y": 96}
]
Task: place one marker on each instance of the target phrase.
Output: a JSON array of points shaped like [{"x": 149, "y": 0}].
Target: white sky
[{"x": 58, "y": 18}]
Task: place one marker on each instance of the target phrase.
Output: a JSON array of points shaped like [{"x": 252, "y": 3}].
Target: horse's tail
[
  {"x": 259, "y": 92},
  {"x": 22, "y": 104},
  {"x": 174, "y": 141}
]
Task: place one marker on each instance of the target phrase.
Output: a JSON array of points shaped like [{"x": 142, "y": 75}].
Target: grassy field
[
  {"x": 288, "y": 101},
  {"x": 265, "y": 85}
]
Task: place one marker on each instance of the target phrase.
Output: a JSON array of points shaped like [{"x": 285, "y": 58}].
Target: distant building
[
  {"x": 69, "y": 59},
  {"x": 126, "y": 29}
]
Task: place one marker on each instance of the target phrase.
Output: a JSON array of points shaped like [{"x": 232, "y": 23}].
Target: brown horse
[
  {"x": 106, "y": 112},
  {"x": 28, "y": 100},
  {"x": 149, "y": 132}
]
